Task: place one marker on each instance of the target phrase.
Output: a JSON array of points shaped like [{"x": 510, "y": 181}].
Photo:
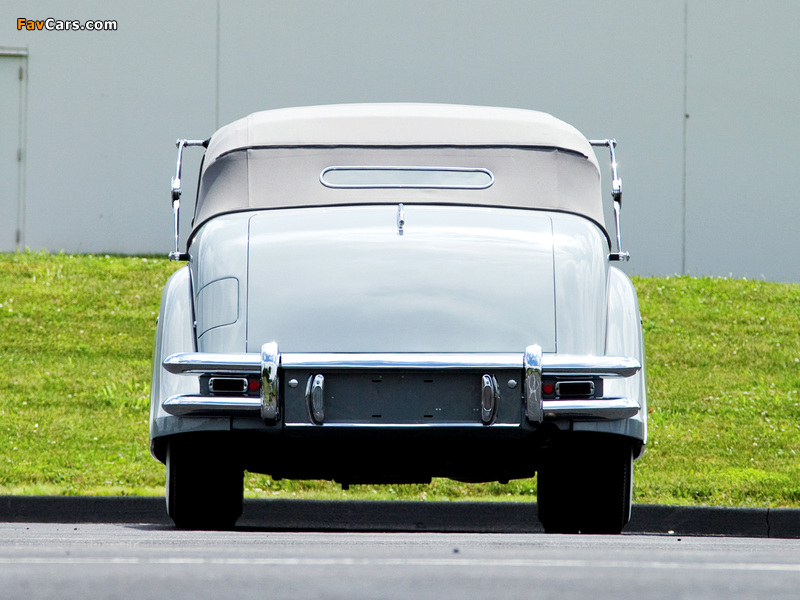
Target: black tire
[
  {"x": 204, "y": 483},
  {"x": 585, "y": 486},
  {"x": 557, "y": 498}
]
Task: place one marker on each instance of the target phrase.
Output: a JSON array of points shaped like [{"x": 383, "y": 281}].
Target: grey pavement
[{"x": 354, "y": 515}]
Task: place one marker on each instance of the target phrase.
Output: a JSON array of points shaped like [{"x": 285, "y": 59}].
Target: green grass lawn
[
  {"x": 76, "y": 336},
  {"x": 723, "y": 368}
]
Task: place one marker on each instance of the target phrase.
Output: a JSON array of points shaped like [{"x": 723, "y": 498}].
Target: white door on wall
[{"x": 12, "y": 79}]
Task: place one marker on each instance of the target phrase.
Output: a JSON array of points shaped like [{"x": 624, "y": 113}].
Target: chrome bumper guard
[{"x": 532, "y": 364}]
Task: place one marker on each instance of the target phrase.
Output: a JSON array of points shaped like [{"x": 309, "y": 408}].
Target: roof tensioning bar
[
  {"x": 176, "y": 254},
  {"x": 616, "y": 196}
]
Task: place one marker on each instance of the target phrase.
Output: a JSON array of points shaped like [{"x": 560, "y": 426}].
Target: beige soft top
[
  {"x": 273, "y": 159},
  {"x": 406, "y": 124}
]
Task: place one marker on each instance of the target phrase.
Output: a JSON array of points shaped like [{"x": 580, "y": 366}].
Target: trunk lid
[{"x": 344, "y": 279}]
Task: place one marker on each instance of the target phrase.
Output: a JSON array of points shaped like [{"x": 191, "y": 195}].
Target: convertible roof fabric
[
  {"x": 398, "y": 125},
  {"x": 273, "y": 159}
]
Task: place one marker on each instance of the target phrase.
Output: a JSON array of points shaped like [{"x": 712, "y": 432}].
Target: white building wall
[
  {"x": 711, "y": 193},
  {"x": 742, "y": 192}
]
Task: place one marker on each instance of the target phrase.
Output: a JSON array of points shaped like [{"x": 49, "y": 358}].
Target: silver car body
[{"x": 427, "y": 274}]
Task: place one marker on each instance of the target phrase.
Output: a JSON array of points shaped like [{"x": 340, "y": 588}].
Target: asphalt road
[
  {"x": 400, "y": 516},
  {"x": 88, "y": 561}
]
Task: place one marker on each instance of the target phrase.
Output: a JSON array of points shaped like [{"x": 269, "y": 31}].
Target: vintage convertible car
[{"x": 386, "y": 293}]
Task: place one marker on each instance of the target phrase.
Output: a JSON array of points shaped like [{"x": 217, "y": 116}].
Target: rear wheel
[
  {"x": 586, "y": 486},
  {"x": 204, "y": 483}
]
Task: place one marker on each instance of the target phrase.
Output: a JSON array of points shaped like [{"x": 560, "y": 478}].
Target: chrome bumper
[{"x": 532, "y": 365}]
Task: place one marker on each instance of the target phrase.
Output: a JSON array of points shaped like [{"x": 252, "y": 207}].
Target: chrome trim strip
[
  {"x": 212, "y": 405},
  {"x": 270, "y": 384},
  {"x": 405, "y": 186},
  {"x": 194, "y": 363},
  {"x": 598, "y": 409},
  {"x": 532, "y": 363},
  {"x": 600, "y": 366}
]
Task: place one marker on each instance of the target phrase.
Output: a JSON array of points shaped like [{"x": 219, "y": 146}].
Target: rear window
[{"x": 349, "y": 177}]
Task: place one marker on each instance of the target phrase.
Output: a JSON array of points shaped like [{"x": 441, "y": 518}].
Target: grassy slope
[
  {"x": 723, "y": 359},
  {"x": 76, "y": 337},
  {"x": 75, "y": 354}
]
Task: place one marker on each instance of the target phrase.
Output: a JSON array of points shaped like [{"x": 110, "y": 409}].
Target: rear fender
[
  {"x": 175, "y": 333},
  {"x": 624, "y": 338}
]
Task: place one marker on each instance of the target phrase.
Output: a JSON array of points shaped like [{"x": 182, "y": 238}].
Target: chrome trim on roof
[{"x": 405, "y": 185}]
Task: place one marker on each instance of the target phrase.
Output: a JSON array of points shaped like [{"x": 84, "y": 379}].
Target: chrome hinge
[
  {"x": 616, "y": 196},
  {"x": 401, "y": 218},
  {"x": 176, "y": 254}
]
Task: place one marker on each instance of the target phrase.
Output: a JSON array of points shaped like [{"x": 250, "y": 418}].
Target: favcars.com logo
[{"x": 68, "y": 25}]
